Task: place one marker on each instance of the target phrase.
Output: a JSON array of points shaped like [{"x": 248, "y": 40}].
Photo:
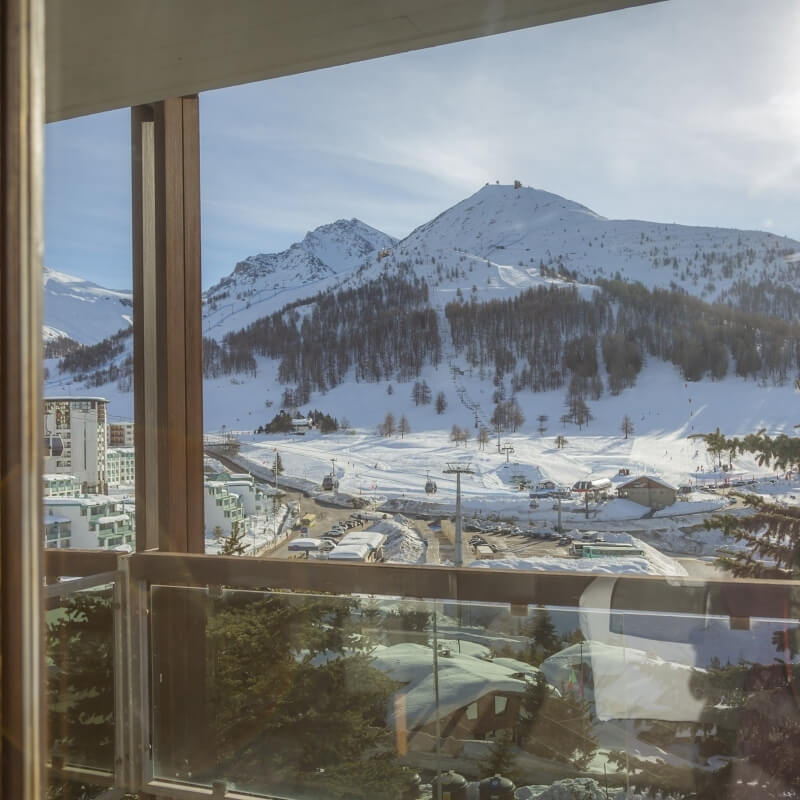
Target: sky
[{"x": 686, "y": 111}]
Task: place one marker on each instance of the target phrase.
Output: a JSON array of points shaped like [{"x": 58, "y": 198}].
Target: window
[{"x": 416, "y": 162}]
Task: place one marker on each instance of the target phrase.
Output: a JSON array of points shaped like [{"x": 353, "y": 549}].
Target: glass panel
[
  {"x": 318, "y": 696},
  {"x": 87, "y": 413},
  {"x": 80, "y": 680},
  {"x": 294, "y": 695}
]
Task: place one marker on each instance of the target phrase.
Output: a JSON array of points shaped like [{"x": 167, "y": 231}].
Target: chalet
[
  {"x": 477, "y": 697},
  {"x": 647, "y": 490}
]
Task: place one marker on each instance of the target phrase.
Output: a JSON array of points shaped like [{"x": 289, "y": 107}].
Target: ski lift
[
  {"x": 53, "y": 445},
  {"x": 430, "y": 486},
  {"x": 329, "y": 483}
]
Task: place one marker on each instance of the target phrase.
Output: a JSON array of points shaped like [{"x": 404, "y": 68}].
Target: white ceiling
[{"x": 104, "y": 54}]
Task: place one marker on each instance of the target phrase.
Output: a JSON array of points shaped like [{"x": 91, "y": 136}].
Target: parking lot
[{"x": 515, "y": 541}]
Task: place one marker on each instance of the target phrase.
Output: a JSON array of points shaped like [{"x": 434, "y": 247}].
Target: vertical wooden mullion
[
  {"x": 21, "y": 578},
  {"x": 145, "y": 373},
  {"x": 168, "y": 349},
  {"x": 193, "y": 324},
  {"x": 171, "y": 266},
  {"x": 169, "y": 410}
]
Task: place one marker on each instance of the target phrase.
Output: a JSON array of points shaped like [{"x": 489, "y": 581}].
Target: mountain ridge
[{"x": 278, "y": 315}]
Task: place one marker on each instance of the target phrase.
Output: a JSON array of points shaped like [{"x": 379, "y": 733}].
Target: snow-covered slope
[
  {"x": 82, "y": 310},
  {"x": 496, "y": 243},
  {"x": 504, "y": 239},
  {"x": 262, "y": 283}
]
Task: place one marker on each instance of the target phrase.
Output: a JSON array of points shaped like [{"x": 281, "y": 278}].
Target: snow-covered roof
[
  {"x": 633, "y": 565},
  {"x": 74, "y": 399},
  {"x": 374, "y": 539},
  {"x": 89, "y": 500},
  {"x": 304, "y": 544},
  {"x": 628, "y": 684},
  {"x": 113, "y": 518},
  {"x": 640, "y": 479},
  {"x": 353, "y": 552},
  {"x": 463, "y": 679}
]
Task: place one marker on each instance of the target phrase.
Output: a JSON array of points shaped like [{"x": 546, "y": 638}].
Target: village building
[
  {"x": 255, "y": 499},
  {"x": 223, "y": 510},
  {"x": 120, "y": 434},
  {"x": 647, "y": 490},
  {"x": 477, "y": 697},
  {"x": 54, "y": 485},
  {"x": 74, "y": 431},
  {"x": 89, "y": 522},
  {"x": 121, "y": 467}
]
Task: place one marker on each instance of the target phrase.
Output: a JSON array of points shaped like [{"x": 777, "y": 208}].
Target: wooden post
[
  {"x": 21, "y": 578},
  {"x": 168, "y": 340},
  {"x": 168, "y": 398}
]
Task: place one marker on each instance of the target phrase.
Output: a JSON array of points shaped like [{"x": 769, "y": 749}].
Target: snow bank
[
  {"x": 653, "y": 562},
  {"x": 403, "y": 544}
]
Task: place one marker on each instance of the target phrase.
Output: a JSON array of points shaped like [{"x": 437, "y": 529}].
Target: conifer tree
[
  {"x": 387, "y": 427},
  {"x": 542, "y": 632},
  {"x": 403, "y": 426},
  {"x": 772, "y": 532},
  {"x": 501, "y": 757},
  {"x": 557, "y": 728},
  {"x": 234, "y": 545},
  {"x": 627, "y": 426}
]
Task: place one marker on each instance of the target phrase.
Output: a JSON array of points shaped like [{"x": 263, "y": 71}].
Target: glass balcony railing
[
  {"x": 81, "y": 665},
  {"x": 334, "y": 683}
]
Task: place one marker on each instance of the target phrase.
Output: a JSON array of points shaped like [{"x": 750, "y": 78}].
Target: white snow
[{"x": 82, "y": 310}]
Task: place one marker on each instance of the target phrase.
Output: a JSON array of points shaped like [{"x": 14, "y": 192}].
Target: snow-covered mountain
[
  {"x": 82, "y": 310},
  {"x": 496, "y": 243},
  {"x": 261, "y": 283},
  {"x": 493, "y": 245},
  {"x": 504, "y": 239}
]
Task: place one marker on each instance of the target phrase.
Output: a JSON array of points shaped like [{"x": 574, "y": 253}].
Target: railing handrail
[{"x": 738, "y": 597}]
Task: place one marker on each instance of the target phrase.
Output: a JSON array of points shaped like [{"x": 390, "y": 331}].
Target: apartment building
[
  {"x": 121, "y": 467},
  {"x": 120, "y": 434},
  {"x": 254, "y": 499},
  {"x": 89, "y": 522},
  {"x": 74, "y": 430},
  {"x": 224, "y": 509},
  {"x": 54, "y": 485}
]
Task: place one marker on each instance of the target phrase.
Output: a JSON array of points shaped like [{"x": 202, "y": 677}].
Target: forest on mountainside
[
  {"x": 543, "y": 336},
  {"x": 382, "y": 329},
  {"x": 541, "y": 339}
]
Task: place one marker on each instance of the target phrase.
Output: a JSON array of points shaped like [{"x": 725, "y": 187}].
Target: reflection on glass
[
  {"x": 80, "y": 680},
  {"x": 330, "y": 697}
]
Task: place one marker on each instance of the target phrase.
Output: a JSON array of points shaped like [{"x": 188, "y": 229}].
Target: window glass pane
[
  {"x": 524, "y": 302},
  {"x": 80, "y": 683}
]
